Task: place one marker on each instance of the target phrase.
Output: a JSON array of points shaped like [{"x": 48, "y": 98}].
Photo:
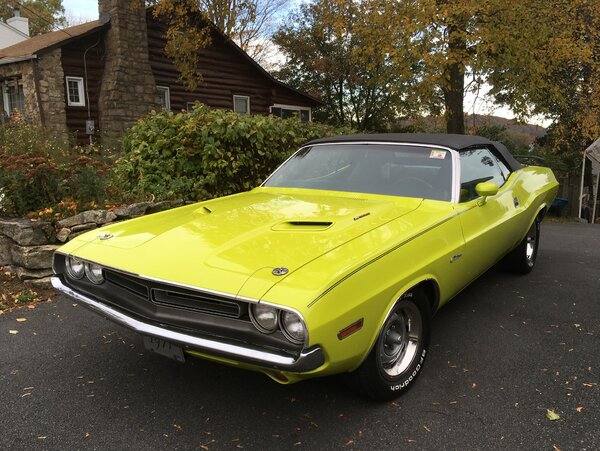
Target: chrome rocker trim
[{"x": 308, "y": 360}]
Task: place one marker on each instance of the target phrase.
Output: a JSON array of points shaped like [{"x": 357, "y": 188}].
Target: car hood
[{"x": 232, "y": 244}]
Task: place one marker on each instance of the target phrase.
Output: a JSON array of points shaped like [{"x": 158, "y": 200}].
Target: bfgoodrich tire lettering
[{"x": 399, "y": 353}]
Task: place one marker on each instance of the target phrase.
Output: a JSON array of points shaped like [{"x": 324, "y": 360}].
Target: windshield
[{"x": 397, "y": 170}]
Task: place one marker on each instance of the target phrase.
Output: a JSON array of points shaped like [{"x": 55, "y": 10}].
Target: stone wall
[
  {"x": 26, "y": 246},
  {"x": 128, "y": 89}
]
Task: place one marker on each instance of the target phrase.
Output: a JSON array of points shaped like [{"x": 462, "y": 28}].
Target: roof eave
[{"x": 16, "y": 59}]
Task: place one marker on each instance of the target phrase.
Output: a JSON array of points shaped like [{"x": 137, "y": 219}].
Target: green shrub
[
  {"x": 38, "y": 171},
  {"x": 207, "y": 153}
]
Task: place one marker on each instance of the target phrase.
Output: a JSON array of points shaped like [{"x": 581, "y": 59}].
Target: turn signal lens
[
  {"x": 293, "y": 327},
  {"x": 94, "y": 273},
  {"x": 264, "y": 318},
  {"x": 75, "y": 267}
]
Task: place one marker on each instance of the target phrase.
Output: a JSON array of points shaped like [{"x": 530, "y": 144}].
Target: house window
[
  {"x": 287, "y": 111},
  {"x": 13, "y": 96},
  {"x": 164, "y": 95},
  {"x": 75, "y": 92},
  {"x": 241, "y": 104}
]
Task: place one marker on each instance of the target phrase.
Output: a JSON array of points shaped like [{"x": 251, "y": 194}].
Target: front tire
[{"x": 397, "y": 357}]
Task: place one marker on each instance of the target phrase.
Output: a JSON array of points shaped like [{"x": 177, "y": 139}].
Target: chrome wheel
[
  {"x": 401, "y": 337},
  {"x": 531, "y": 243}
]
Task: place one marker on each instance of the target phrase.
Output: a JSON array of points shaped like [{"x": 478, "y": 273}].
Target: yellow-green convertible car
[{"x": 335, "y": 264}]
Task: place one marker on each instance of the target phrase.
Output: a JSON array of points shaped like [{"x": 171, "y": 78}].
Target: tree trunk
[
  {"x": 454, "y": 80},
  {"x": 453, "y": 99}
]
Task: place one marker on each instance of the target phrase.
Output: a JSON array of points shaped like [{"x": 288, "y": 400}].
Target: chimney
[
  {"x": 128, "y": 90},
  {"x": 18, "y": 22}
]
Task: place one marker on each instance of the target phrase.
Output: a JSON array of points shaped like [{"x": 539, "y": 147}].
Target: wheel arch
[{"x": 430, "y": 287}]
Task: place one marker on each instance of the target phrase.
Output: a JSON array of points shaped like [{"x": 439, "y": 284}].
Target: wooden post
[{"x": 581, "y": 185}]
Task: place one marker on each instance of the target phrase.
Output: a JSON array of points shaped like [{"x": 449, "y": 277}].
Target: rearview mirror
[{"x": 485, "y": 189}]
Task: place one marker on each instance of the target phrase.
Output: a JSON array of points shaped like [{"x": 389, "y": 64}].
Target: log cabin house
[{"x": 94, "y": 80}]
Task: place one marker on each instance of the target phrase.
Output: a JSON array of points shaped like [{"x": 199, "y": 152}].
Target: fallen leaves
[
  {"x": 579, "y": 409},
  {"x": 21, "y": 320},
  {"x": 552, "y": 415}
]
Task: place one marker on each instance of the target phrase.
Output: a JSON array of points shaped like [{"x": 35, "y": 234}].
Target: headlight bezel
[
  {"x": 72, "y": 273},
  {"x": 96, "y": 279},
  {"x": 285, "y": 329},
  {"x": 256, "y": 322}
]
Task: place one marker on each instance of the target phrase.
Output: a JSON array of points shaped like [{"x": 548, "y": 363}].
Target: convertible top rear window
[{"x": 397, "y": 170}]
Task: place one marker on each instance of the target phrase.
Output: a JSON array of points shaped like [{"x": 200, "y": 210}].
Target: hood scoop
[
  {"x": 313, "y": 226},
  {"x": 204, "y": 210}
]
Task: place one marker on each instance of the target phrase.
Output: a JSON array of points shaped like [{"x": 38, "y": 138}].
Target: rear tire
[
  {"x": 521, "y": 260},
  {"x": 397, "y": 357}
]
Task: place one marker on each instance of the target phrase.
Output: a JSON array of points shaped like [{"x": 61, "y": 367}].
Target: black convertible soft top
[{"x": 456, "y": 142}]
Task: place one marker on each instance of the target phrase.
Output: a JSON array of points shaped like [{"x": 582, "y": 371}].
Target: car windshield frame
[{"x": 454, "y": 161}]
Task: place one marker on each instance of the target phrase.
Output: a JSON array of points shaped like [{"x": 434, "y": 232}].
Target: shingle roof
[{"x": 38, "y": 43}]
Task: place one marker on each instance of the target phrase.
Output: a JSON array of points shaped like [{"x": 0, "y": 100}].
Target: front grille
[
  {"x": 181, "y": 309},
  {"x": 177, "y": 298},
  {"x": 130, "y": 284},
  {"x": 196, "y": 303}
]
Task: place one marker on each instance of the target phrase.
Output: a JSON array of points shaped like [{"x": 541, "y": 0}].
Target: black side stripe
[{"x": 373, "y": 260}]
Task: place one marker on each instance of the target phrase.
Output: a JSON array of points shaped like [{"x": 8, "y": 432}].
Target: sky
[{"x": 83, "y": 10}]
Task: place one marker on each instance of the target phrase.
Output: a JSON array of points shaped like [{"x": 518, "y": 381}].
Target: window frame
[
  {"x": 5, "y": 85},
  {"x": 246, "y": 98},
  {"x": 293, "y": 108},
  {"x": 80, "y": 89},
  {"x": 167, "y": 90}
]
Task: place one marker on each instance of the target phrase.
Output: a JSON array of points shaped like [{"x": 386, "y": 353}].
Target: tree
[
  {"x": 43, "y": 15},
  {"x": 248, "y": 23},
  {"x": 561, "y": 78},
  {"x": 345, "y": 52},
  {"x": 536, "y": 55}
]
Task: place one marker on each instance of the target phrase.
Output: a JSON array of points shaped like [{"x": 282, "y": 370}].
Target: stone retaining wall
[{"x": 26, "y": 246}]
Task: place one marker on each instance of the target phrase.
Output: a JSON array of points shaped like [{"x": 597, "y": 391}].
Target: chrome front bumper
[{"x": 308, "y": 360}]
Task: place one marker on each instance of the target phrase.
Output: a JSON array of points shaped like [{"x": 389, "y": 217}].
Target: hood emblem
[
  {"x": 105, "y": 236},
  {"x": 280, "y": 271}
]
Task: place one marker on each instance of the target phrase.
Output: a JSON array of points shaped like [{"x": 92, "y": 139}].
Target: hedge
[{"x": 207, "y": 153}]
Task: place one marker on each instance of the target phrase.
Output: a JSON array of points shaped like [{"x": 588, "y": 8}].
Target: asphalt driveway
[{"x": 503, "y": 352}]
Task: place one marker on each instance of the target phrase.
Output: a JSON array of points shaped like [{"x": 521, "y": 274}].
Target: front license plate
[{"x": 164, "y": 348}]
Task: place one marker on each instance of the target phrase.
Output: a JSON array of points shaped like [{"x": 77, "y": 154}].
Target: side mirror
[{"x": 485, "y": 189}]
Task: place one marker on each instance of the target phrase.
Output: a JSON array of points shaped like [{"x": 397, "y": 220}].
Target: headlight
[
  {"x": 264, "y": 318},
  {"x": 94, "y": 273},
  {"x": 293, "y": 327},
  {"x": 75, "y": 267}
]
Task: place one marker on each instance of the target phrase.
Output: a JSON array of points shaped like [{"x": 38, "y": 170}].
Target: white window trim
[
  {"x": 80, "y": 88},
  {"x": 293, "y": 107},
  {"x": 247, "y": 99},
  {"x": 5, "y": 97},
  {"x": 168, "y": 98}
]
